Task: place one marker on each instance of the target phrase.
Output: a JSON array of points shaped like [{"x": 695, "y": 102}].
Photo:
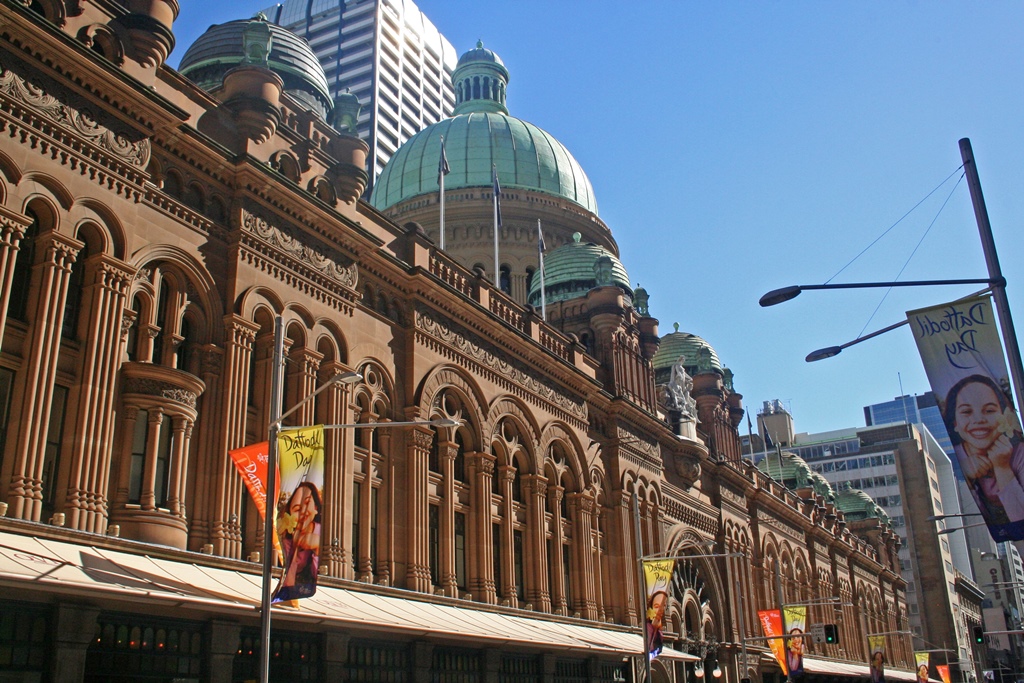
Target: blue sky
[{"x": 736, "y": 147}]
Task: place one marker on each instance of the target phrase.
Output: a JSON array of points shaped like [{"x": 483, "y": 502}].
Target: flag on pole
[
  {"x": 657, "y": 579},
  {"x": 251, "y": 463},
  {"x": 540, "y": 263},
  {"x": 966, "y": 366},
  {"x": 922, "y": 661},
  {"x": 771, "y": 624},
  {"x": 300, "y": 510},
  {"x": 876, "y": 644},
  {"x": 497, "y": 222},
  {"x": 794, "y": 619},
  {"x": 442, "y": 171}
]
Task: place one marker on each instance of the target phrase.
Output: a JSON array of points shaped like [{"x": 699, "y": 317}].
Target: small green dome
[
  {"x": 573, "y": 269},
  {"x": 793, "y": 471},
  {"x": 691, "y": 347},
  {"x": 857, "y": 505},
  {"x": 822, "y": 487},
  {"x": 220, "y": 49},
  {"x": 481, "y": 136}
]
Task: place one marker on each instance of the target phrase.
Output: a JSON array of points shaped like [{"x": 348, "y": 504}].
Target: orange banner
[
  {"x": 251, "y": 463},
  {"x": 943, "y": 670},
  {"x": 771, "y": 624}
]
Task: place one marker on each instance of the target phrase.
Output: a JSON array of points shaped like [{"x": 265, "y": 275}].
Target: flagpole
[
  {"x": 641, "y": 586},
  {"x": 540, "y": 258},
  {"x": 496, "y": 190},
  {"x": 276, "y": 389},
  {"x": 442, "y": 171}
]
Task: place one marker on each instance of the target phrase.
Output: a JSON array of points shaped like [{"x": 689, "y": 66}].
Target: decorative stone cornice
[
  {"x": 38, "y": 103},
  {"x": 462, "y": 346},
  {"x": 284, "y": 238}
]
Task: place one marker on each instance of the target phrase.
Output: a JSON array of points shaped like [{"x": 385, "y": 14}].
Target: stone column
[
  {"x": 39, "y": 372},
  {"x": 182, "y": 434},
  {"x": 507, "y": 476},
  {"x": 335, "y": 656},
  {"x": 147, "y": 499},
  {"x": 481, "y": 559},
  {"x": 559, "y": 591},
  {"x": 223, "y": 498},
  {"x": 338, "y": 454},
  {"x": 87, "y": 497},
  {"x": 418, "y": 454},
  {"x": 447, "y": 452},
  {"x": 12, "y": 229},
  {"x": 222, "y": 639},
  {"x": 303, "y": 379},
  {"x": 74, "y": 631},
  {"x": 364, "y": 563},
  {"x": 211, "y": 419},
  {"x": 583, "y": 549},
  {"x": 536, "y": 523}
]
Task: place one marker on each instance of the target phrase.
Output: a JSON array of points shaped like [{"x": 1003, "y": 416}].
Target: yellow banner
[
  {"x": 300, "y": 509},
  {"x": 877, "y": 661},
  {"x": 657, "y": 580},
  {"x": 922, "y": 666}
]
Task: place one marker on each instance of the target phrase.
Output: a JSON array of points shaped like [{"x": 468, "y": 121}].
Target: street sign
[{"x": 818, "y": 632}]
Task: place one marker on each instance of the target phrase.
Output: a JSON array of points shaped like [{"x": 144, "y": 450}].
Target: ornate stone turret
[
  {"x": 252, "y": 92},
  {"x": 349, "y": 175},
  {"x": 149, "y": 28}
]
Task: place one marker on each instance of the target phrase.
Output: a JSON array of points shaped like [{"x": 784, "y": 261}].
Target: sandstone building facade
[{"x": 153, "y": 230}]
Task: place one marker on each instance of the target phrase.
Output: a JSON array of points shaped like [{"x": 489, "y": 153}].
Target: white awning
[
  {"x": 28, "y": 563},
  {"x": 827, "y": 666},
  {"x": 677, "y": 656}
]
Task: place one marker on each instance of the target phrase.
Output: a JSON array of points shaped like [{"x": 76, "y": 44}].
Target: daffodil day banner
[
  {"x": 657, "y": 579},
  {"x": 963, "y": 357},
  {"x": 300, "y": 456}
]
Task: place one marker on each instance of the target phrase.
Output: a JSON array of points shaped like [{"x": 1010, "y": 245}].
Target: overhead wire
[
  {"x": 900, "y": 220},
  {"x": 916, "y": 247}
]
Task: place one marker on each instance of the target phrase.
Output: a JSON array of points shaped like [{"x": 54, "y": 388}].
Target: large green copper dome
[{"x": 480, "y": 136}]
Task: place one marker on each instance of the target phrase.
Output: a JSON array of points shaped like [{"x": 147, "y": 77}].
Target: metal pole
[
  {"x": 782, "y": 617},
  {"x": 276, "y": 382},
  {"x": 642, "y": 597},
  {"x": 994, "y": 272},
  {"x": 740, "y": 614}
]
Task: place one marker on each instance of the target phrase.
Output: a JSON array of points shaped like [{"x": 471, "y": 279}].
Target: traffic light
[
  {"x": 979, "y": 635},
  {"x": 831, "y": 634}
]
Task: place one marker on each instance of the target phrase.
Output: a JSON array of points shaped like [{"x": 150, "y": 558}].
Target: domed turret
[
  {"x": 572, "y": 270},
  {"x": 857, "y": 505},
  {"x": 694, "y": 350},
  {"x": 793, "y": 471},
  {"x": 480, "y": 79},
  {"x": 222, "y": 48}
]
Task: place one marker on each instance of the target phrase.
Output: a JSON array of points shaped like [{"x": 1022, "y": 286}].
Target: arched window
[
  {"x": 505, "y": 280},
  {"x": 22, "y": 278}
]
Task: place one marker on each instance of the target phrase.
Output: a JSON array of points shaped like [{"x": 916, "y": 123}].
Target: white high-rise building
[{"x": 388, "y": 54}]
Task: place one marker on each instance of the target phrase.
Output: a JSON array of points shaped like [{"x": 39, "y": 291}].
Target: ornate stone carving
[
  {"x": 330, "y": 265},
  {"x": 676, "y": 394},
  {"x": 152, "y": 387},
  {"x": 422, "y": 439},
  {"x": 49, "y": 101},
  {"x": 476, "y": 349}
]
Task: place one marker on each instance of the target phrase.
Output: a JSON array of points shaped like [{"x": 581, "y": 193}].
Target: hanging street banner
[
  {"x": 794, "y": 620},
  {"x": 251, "y": 463},
  {"x": 921, "y": 659},
  {"x": 657, "y": 579},
  {"x": 771, "y": 624},
  {"x": 876, "y": 644},
  {"x": 943, "y": 670},
  {"x": 300, "y": 510},
  {"x": 963, "y": 357}
]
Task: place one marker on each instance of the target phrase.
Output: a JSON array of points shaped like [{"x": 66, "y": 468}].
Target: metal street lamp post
[{"x": 276, "y": 398}]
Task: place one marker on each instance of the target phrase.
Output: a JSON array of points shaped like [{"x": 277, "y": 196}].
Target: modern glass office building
[{"x": 388, "y": 54}]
